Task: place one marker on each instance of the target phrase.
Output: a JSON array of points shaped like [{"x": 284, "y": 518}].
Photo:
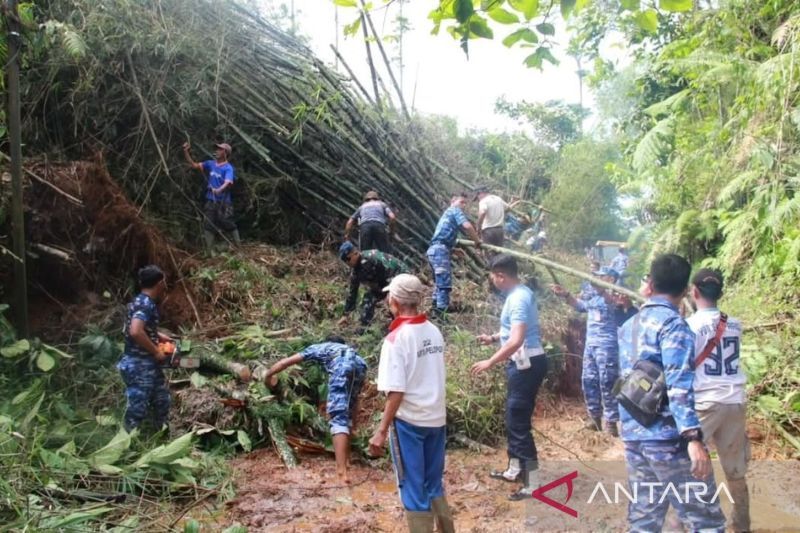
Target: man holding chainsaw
[{"x": 145, "y": 352}]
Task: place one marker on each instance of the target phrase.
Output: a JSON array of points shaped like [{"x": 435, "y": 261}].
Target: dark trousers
[
  {"x": 373, "y": 236},
  {"x": 522, "y": 386},
  {"x": 493, "y": 235}
]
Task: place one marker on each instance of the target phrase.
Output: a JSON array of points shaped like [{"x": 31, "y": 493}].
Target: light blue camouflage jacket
[
  {"x": 619, "y": 264},
  {"x": 334, "y": 357},
  {"x": 664, "y": 338},
  {"x": 601, "y": 327}
]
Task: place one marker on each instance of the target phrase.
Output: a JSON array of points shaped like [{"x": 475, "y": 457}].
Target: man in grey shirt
[{"x": 375, "y": 222}]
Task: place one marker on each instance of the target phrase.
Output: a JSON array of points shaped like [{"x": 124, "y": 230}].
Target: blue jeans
[
  {"x": 439, "y": 259},
  {"x": 523, "y": 385},
  {"x": 666, "y": 464},
  {"x": 418, "y": 456}
]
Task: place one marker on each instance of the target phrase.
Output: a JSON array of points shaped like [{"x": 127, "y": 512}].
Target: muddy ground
[{"x": 308, "y": 498}]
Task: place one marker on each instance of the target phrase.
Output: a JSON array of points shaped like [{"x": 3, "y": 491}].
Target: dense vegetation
[{"x": 695, "y": 149}]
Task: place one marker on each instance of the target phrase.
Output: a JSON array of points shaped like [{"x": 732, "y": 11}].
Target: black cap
[{"x": 708, "y": 282}]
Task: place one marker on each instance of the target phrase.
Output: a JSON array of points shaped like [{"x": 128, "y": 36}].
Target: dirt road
[{"x": 272, "y": 498}]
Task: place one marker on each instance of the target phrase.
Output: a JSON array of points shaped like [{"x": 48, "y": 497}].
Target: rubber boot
[
  {"x": 530, "y": 481},
  {"x": 419, "y": 521},
  {"x": 442, "y": 515},
  {"x": 512, "y": 473},
  {"x": 740, "y": 517},
  {"x": 236, "y": 239}
]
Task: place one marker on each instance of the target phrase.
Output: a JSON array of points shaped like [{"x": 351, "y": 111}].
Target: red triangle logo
[{"x": 539, "y": 494}]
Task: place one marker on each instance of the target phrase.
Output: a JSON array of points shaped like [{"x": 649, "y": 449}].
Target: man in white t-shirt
[
  {"x": 719, "y": 391},
  {"x": 412, "y": 374},
  {"x": 491, "y": 216}
]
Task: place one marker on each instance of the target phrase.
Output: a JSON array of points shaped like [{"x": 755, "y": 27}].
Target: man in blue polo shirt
[
  {"x": 444, "y": 239},
  {"x": 218, "y": 209},
  {"x": 526, "y": 366}
]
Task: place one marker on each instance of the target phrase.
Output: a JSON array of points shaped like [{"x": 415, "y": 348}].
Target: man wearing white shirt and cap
[{"x": 412, "y": 374}]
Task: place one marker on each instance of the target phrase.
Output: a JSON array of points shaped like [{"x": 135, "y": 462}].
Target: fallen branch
[
  {"x": 55, "y": 252},
  {"x": 557, "y": 266},
  {"x": 218, "y": 364},
  {"x": 278, "y": 436},
  {"x": 472, "y": 444},
  {"x": 46, "y": 183}
]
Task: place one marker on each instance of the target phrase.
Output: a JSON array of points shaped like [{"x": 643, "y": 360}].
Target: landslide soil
[{"x": 309, "y": 498}]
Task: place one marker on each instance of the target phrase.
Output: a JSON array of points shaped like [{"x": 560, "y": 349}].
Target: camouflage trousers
[
  {"x": 600, "y": 373},
  {"x": 344, "y": 386},
  {"x": 439, "y": 259},
  {"x": 146, "y": 391},
  {"x": 659, "y": 474}
]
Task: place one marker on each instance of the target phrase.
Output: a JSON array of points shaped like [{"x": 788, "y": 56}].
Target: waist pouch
[{"x": 643, "y": 392}]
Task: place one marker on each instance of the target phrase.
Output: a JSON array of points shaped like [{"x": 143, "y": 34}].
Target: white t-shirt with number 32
[{"x": 720, "y": 377}]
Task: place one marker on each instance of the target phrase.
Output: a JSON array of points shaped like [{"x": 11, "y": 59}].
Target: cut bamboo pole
[
  {"x": 557, "y": 266},
  {"x": 278, "y": 436}
]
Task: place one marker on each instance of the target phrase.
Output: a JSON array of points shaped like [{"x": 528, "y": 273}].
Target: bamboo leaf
[{"x": 16, "y": 349}]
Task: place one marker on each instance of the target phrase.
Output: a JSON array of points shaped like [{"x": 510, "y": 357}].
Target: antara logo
[
  {"x": 539, "y": 494},
  {"x": 651, "y": 491}
]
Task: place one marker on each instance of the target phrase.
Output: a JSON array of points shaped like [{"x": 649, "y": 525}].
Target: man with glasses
[{"x": 145, "y": 387}]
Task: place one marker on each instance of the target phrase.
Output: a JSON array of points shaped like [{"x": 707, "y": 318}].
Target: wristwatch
[{"x": 695, "y": 434}]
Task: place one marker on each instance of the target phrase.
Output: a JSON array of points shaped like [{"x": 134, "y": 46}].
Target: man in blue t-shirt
[
  {"x": 218, "y": 209},
  {"x": 526, "y": 367},
  {"x": 444, "y": 238},
  {"x": 346, "y": 374},
  {"x": 140, "y": 366}
]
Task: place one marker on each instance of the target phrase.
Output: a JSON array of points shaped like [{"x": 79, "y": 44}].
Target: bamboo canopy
[
  {"x": 547, "y": 263},
  {"x": 140, "y": 78}
]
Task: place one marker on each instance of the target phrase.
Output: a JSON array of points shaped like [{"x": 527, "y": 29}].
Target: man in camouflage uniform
[
  {"x": 620, "y": 264},
  {"x": 600, "y": 354},
  {"x": 451, "y": 222},
  {"x": 671, "y": 450},
  {"x": 346, "y": 374},
  {"x": 372, "y": 268},
  {"x": 145, "y": 387}
]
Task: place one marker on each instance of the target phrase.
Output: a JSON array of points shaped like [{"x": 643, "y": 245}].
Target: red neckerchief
[{"x": 402, "y": 320}]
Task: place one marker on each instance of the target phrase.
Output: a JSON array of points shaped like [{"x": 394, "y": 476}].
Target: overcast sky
[{"x": 446, "y": 81}]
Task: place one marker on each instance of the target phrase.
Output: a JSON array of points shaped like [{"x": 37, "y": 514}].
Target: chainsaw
[{"x": 176, "y": 358}]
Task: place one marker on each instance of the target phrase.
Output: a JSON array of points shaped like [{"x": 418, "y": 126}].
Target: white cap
[{"x": 406, "y": 289}]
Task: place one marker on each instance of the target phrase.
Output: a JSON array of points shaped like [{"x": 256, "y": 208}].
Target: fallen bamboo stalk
[
  {"x": 55, "y": 252},
  {"x": 352, "y": 75},
  {"x": 278, "y": 435},
  {"x": 557, "y": 266},
  {"x": 185, "y": 287},
  {"x": 218, "y": 364}
]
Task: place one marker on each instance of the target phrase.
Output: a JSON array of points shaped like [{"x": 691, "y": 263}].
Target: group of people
[{"x": 702, "y": 402}]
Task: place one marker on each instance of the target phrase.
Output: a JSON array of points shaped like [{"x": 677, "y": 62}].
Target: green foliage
[
  {"x": 554, "y": 123},
  {"x": 583, "y": 199}
]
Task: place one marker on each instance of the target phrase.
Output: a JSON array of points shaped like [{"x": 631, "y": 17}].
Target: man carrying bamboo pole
[
  {"x": 218, "y": 209},
  {"x": 451, "y": 222},
  {"x": 600, "y": 354},
  {"x": 526, "y": 366},
  {"x": 375, "y": 224}
]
